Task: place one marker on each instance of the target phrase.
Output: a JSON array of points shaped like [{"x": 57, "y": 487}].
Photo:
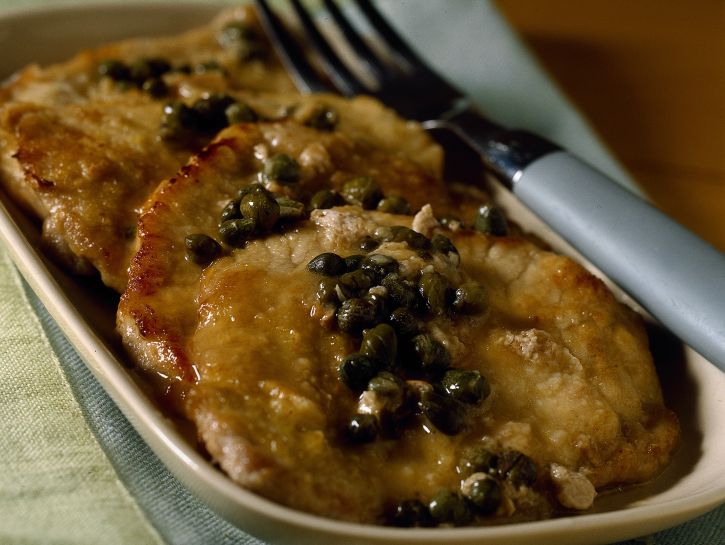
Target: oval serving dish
[{"x": 694, "y": 389}]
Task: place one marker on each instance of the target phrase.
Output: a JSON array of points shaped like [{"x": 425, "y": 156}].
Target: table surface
[{"x": 650, "y": 77}]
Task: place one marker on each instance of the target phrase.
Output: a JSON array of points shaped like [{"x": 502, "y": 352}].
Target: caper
[
  {"x": 236, "y": 232},
  {"x": 243, "y": 38},
  {"x": 155, "y": 87},
  {"x": 355, "y": 314},
  {"x": 411, "y": 513},
  {"x": 382, "y": 306},
  {"x": 470, "y": 298},
  {"x": 354, "y": 283},
  {"x": 491, "y": 221},
  {"x": 211, "y": 111},
  {"x": 325, "y": 198},
  {"x": 481, "y": 461},
  {"x": 517, "y": 468},
  {"x": 282, "y": 168},
  {"x": 352, "y": 262},
  {"x": 201, "y": 248},
  {"x": 326, "y": 293},
  {"x": 361, "y": 429},
  {"x": 240, "y": 113},
  {"x": 290, "y": 209},
  {"x": 443, "y": 244},
  {"x": 178, "y": 121},
  {"x": 401, "y": 292},
  {"x": 379, "y": 265},
  {"x": 465, "y": 385},
  {"x": 404, "y": 323},
  {"x": 485, "y": 495},
  {"x": 448, "y": 507},
  {"x": 436, "y": 291},
  {"x": 368, "y": 244},
  {"x": 323, "y": 118},
  {"x": 145, "y": 69},
  {"x": 114, "y": 69},
  {"x": 260, "y": 207},
  {"x": 400, "y": 233},
  {"x": 363, "y": 191},
  {"x": 446, "y": 414},
  {"x": 252, "y": 188},
  {"x": 356, "y": 370},
  {"x": 394, "y": 204},
  {"x": 432, "y": 357},
  {"x": 387, "y": 385},
  {"x": 328, "y": 264},
  {"x": 230, "y": 211},
  {"x": 380, "y": 343}
]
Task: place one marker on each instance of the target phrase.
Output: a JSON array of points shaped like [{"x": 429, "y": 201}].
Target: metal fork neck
[{"x": 505, "y": 152}]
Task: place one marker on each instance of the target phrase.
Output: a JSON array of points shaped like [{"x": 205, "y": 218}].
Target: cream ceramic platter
[{"x": 695, "y": 389}]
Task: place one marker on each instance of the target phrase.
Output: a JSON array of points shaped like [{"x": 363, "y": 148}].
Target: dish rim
[{"x": 160, "y": 434}]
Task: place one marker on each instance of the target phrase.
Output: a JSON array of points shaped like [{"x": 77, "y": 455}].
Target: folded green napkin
[{"x": 73, "y": 470}]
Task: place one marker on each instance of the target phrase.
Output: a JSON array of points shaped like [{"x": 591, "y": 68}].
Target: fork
[{"x": 673, "y": 274}]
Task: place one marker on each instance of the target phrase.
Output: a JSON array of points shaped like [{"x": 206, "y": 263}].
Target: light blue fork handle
[{"x": 676, "y": 276}]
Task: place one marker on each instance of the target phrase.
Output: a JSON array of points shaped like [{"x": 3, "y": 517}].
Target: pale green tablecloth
[{"x": 72, "y": 469}]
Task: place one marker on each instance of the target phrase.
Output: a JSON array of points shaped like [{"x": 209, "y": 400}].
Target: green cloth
[{"x": 56, "y": 483}]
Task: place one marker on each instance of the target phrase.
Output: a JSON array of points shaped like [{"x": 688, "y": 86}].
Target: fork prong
[
  {"x": 290, "y": 53},
  {"x": 345, "y": 81},
  {"x": 366, "y": 56}
]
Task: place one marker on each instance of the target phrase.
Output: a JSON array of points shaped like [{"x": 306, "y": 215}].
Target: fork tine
[
  {"x": 345, "y": 81},
  {"x": 390, "y": 36},
  {"x": 290, "y": 52},
  {"x": 366, "y": 56}
]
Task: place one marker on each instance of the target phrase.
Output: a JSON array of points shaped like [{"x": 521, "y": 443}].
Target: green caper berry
[
  {"x": 386, "y": 384},
  {"x": 436, "y": 291},
  {"x": 352, "y": 262},
  {"x": 442, "y": 244},
  {"x": 240, "y": 113},
  {"x": 491, "y": 221},
  {"x": 368, "y": 244},
  {"x": 233, "y": 33},
  {"x": 400, "y": 233},
  {"x": 323, "y": 119},
  {"x": 446, "y": 414},
  {"x": 465, "y": 385},
  {"x": 328, "y": 264},
  {"x": 411, "y": 513},
  {"x": 382, "y": 307},
  {"x": 400, "y": 292},
  {"x": 230, "y": 211},
  {"x": 211, "y": 111},
  {"x": 363, "y": 191},
  {"x": 253, "y": 188},
  {"x": 355, "y": 283},
  {"x": 155, "y": 87},
  {"x": 202, "y": 249},
  {"x": 355, "y": 314},
  {"x": 394, "y": 204},
  {"x": 380, "y": 343},
  {"x": 379, "y": 265},
  {"x": 236, "y": 232},
  {"x": 481, "y": 461},
  {"x": 182, "y": 68},
  {"x": 290, "y": 209},
  {"x": 485, "y": 495},
  {"x": 114, "y": 69},
  {"x": 324, "y": 199},
  {"x": 361, "y": 429},
  {"x": 145, "y": 69},
  {"x": 448, "y": 507},
  {"x": 517, "y": 468},
  {"x": 432, "y": 357},
  {"x": 282, "y": 168},
  {"x": 326, "y": 293},
  {"x": 470, "y": 298},
  {"x": 404, "y": 323},
  {"x": 178, "y": 121},
  {"x": 261, "y": 208},
  {"x": 356, "y": 370}
]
